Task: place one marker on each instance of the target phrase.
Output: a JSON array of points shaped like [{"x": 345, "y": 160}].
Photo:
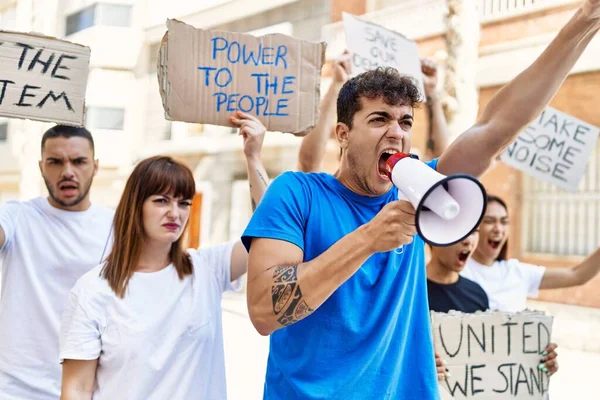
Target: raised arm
[
  {"x": 439, "y": 134},
  {"x": 78, "y": 379},
  {"x": 253, "y": 132},
  {"x": 283, "y": 290},
  {"x": 555, "y": 278},
  {"x": 523, "y": 99},
  {"x": 314, "y": 145}
]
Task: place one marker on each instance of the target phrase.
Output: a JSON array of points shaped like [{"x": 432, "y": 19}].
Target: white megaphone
[{"x": 448, "y": 208}]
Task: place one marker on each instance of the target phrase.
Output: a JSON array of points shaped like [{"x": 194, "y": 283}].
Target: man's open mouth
[
  {"x": 463, "y": 255},
  {"x": 68, "y": 188},
  {"x": 383, "y": 169}
]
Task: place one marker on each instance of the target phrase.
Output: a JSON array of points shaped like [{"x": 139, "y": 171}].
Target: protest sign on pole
[
  {"x": 493, "y": 355},
  {"x": 555, "y": 148},
  {"x": 374, "y": 46},
  {"x": 205, "y": 76},
  {"x": 42, "y": 78}
]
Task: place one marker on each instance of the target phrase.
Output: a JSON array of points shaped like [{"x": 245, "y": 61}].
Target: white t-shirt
[
  {"x": 163, "y": 340},
  {"x": 46, "y": 251},
  {"x": 507, "y": 283}
]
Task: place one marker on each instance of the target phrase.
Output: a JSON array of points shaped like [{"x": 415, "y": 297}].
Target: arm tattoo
[
  {"x": 262, "y": 178},
  {"x": 288, "y": 303}
]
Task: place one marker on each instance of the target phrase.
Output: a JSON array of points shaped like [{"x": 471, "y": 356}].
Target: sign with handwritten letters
[
  {"x": 555, "y": 148},
  {"x": 493, "y": 355},
  {"x": 42, "y": 78},
  {"x": 374, "y": 46},
  {"x": 205, "y": 76}
]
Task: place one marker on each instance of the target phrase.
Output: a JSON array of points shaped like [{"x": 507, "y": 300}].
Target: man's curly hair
[{"x": 387, "y": 83}]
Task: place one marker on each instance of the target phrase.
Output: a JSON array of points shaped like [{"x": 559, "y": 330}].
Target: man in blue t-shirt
[{"x": 346, "y": 310}]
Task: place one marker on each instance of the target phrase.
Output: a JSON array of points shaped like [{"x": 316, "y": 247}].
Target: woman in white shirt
[
  {"x": 146, "y": 324},
  {"x": 508, "y": 283}
]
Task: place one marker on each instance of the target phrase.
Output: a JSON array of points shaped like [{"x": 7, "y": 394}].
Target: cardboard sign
[
  {"x": 554, "y": 148},
  {"x": 493, "y": 355},
  {"x": 42, "y": 78},
  {"x": 374, "y": 46},
  {"x": 205, "y": 76}
]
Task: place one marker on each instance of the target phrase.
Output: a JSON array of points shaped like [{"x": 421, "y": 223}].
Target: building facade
[
  {"x": 123, "y": 105},
  {"x": 124, "y": 110}
]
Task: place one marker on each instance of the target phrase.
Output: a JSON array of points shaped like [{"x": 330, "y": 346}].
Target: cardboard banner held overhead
[
  {"x": 555, "y": 148},
  {"x": 42, "y": 78},
  {"x": 374, "y": 46},
  {"x": 205, "y": 76},
  {"x": 493, "y": 355}
]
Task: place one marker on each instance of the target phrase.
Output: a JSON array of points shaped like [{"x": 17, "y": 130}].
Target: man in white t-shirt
[{"x": 46, "y": 245}]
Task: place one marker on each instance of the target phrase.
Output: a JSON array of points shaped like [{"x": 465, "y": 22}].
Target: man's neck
[
  {"x": 351, "y": 181},
  {"x": 83, "y": 205},
  {"x": 437, "y": 273}
]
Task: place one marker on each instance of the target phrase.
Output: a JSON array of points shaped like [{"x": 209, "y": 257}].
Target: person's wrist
[
  {"x": 431, "y": 97},
  {"x": 588, "y": 13},
  {"x": 252, "y": 156},
  {"x": 337, "y": 84},
  {"x": 365, "y": 238}
]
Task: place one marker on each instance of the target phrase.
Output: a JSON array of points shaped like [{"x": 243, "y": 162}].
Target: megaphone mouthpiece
[{"x": 392, "y": 160}]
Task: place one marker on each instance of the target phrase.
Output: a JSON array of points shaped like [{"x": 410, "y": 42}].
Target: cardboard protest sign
[
  {"x": 554, "y": 148},
  {"x": 42, "y": 78},
  {"x": 493, "y": 355},
  {"x": 374, "y": 46},
  {"x": 205, "y": 76}
]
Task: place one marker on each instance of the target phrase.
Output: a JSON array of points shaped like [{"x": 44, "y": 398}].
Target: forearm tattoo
[
  {"x": 262, "y": 178},
  {"x": 288, "y": 304}
]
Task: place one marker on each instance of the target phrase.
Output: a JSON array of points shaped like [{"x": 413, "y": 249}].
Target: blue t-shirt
[{"x": 372, "y": 338}]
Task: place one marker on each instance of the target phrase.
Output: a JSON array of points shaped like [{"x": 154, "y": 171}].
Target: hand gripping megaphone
[{"x": 448, "y": 208}]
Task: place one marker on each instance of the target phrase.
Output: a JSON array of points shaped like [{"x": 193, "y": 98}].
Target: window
[
  {"x": 559, "y": 222},
  {"x": 80, "y": 20},
  {"x": 99, "y": 14},
  {"x": 3, "y": 131},
  {"x": 113, "y": 15},
  {"x": 104, "y": 118}
]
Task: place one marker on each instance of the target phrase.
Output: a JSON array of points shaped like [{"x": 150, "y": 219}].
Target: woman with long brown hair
[
  {"x": 509, "y": 282},
  {"x": 146, "y": 324}
]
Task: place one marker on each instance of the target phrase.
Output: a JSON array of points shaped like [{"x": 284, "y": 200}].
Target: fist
[
  {"x": 342, "y": 67},
  {"x": 591, "y": 9},
  {"x": 252, "y": 130},
  {"x": 430, "y": 76},
  {"x": 392, "y": 227},
  {"x": 549, "y": 362}
]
